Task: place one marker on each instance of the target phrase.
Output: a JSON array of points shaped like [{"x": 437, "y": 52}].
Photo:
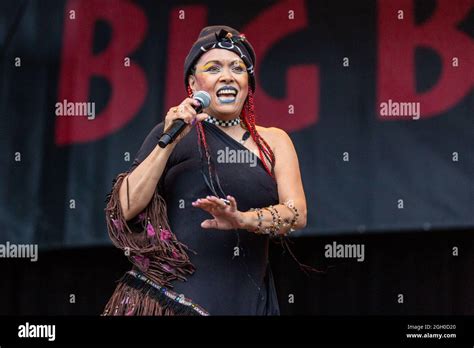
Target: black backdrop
[
  {"x": 427, "y": 163},
  {"x": 420, "y": 266}
]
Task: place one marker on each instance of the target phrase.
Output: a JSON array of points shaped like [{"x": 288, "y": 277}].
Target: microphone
[{"x": 179, "y": 125}]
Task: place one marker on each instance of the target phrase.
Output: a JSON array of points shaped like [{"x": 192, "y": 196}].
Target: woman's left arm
[
  {"x": 290, "y": 187},
  {"x": 288, "y": 176}
]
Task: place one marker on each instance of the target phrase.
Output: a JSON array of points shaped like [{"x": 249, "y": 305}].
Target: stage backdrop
[{"x": 376, "y": 95}]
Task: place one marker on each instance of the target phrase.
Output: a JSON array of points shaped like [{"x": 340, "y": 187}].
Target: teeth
[{"x": 227, "y": 91}]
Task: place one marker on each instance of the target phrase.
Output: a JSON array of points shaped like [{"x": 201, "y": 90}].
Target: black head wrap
[{"x": 223, "y": 37}]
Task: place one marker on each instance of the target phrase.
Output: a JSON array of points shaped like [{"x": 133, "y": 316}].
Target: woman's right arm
[{"x": 142, "y": 181}]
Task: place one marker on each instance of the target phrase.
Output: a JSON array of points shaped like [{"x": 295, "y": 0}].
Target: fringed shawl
[{"x": 154, "y": 251}]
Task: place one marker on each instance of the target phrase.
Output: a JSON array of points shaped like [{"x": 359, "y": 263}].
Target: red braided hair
[{"x": 248, "y": 118}]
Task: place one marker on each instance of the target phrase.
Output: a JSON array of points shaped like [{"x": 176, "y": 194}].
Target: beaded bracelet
[
  {"x": 290, "y": 205},
  {"x": 277, "y": 227},
  {"x": 259, "y": 229},
  {"x": 259, "y": 218},
  {"x": 276, "y": 221},
  {"x": 270, "y": 230}
]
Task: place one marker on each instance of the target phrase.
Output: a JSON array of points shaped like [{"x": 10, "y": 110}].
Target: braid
[
  {"x": 202, "y": 142},
  {"x": 248, "y": 117},
  {"x": 200, "y": 131}
]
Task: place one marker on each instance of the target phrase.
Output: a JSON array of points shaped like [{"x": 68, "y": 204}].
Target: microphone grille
[{"x": 203, "y": 97}]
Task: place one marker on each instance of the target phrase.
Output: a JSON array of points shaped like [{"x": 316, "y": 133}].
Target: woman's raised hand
[
  {"x": 186, "y": 112},
  {"x": 226, "y": 217}
]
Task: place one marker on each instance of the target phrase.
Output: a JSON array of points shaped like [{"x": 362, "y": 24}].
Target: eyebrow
[{"x": 218, "y": 61}]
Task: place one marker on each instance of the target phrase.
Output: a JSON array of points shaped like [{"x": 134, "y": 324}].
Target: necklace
[
  {"x": 244, "y": 137},
  {"x": 234, "y": 122},
  {"x": 229, "y": 123}
]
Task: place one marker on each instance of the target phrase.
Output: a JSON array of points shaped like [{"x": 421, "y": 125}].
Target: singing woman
[{"x": 194, "y": 221}]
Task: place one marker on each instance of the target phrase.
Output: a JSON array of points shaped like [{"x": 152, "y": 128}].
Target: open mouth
[{"x": 227, "y": 94}]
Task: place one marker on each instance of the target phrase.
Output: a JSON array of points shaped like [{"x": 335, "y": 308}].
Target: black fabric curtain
[{"x": 331, "y": 78}]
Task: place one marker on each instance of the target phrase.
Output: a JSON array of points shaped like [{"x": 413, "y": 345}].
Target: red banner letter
[
  {"x": 398, "y": 39},
  {"x": 302, "y": 82},
  {"x": 78, "y": 65},
  {"x": 182, "y": 34}
]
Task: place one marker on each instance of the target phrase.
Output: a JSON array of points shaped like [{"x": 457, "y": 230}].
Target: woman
[{"x": 190, "y": 198}]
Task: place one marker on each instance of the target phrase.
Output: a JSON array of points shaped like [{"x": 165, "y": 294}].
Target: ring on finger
[{"x": 226, "y": 201}]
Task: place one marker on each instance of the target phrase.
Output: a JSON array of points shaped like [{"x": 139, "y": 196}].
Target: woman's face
[{"x": 218, "y": 71}]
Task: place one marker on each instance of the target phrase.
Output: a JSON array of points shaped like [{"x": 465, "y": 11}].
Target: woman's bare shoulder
[{"x": 276, "y": 137}]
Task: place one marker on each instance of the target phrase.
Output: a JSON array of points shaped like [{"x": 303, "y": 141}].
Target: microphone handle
[
  {"x": 170, "y": 135},
  {"x": 175, "y": 129}
]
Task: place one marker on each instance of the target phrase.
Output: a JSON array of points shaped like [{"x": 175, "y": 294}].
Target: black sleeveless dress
[{"x": 233, "y": 275}]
